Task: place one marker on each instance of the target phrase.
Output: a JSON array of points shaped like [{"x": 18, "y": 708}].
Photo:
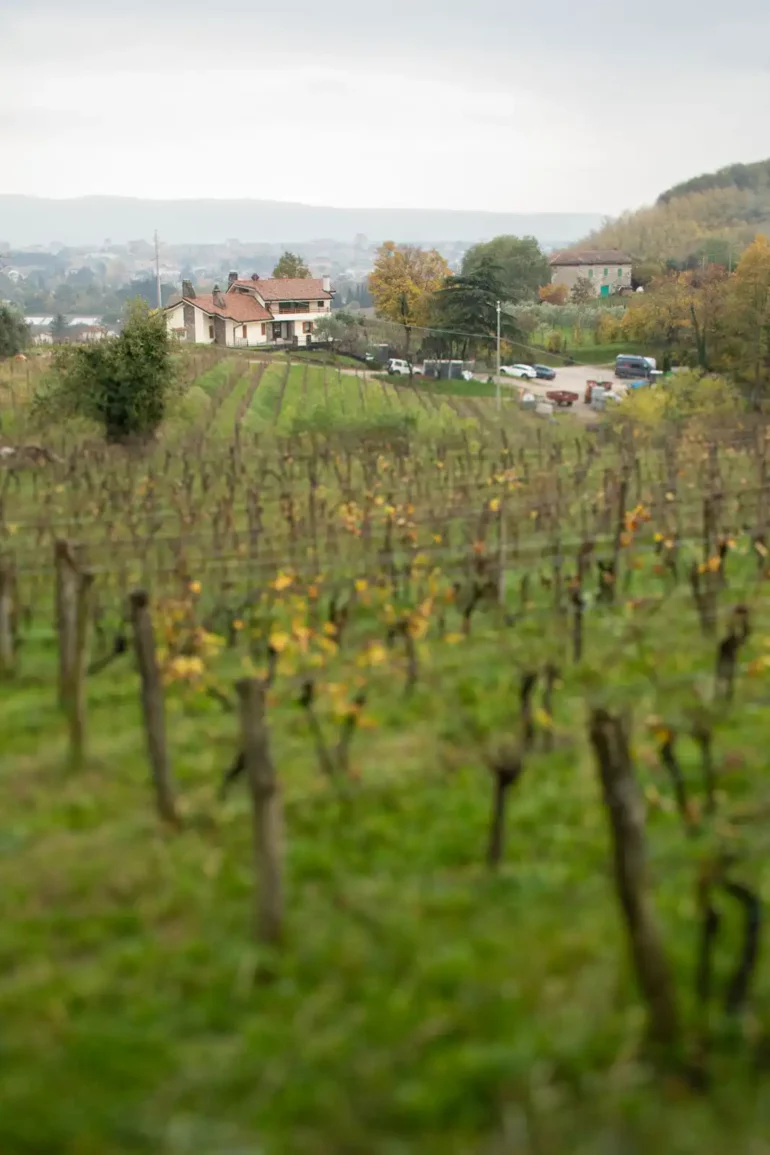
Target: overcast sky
[{"x": 586, "y": 105}]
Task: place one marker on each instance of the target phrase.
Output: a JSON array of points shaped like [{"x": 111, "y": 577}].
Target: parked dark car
[
  {"x": 633, "y": 367},
  {"x": 545, "y": 372}
]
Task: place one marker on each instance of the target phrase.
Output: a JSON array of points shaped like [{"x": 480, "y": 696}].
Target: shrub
[
  {"x": 687, "y": 398},
  {"x": 607, "y": 329},
  {"x": 123, "y": 383},
  {"x": 14, "y": 334}
]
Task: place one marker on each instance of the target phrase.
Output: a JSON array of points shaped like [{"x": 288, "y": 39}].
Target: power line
[{"x": 489, "y": 337}]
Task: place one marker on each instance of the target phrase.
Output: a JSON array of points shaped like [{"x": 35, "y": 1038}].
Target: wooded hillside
[
  {"x": 745, "y": 177},
  {"x": 713, "y": 216}
]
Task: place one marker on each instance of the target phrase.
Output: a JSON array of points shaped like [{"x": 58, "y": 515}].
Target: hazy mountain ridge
[{"x": 26, "y": 220}]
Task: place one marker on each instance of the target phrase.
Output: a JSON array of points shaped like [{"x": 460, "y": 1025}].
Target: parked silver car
[{"x": 521, "y": 371}]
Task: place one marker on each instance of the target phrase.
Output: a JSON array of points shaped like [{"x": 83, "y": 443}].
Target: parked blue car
[{"x": 545, "y": 372}]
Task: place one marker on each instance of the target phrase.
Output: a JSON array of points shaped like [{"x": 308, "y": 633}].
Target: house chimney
[
  {"x": 231, "y": 279},
  {"x": 219, "y": 300},
  {"x": 255, "y": 276},
  {"x": 327, "y": 283},
  {"x": 187, "y": 289}
]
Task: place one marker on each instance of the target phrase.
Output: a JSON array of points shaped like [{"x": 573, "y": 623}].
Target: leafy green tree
[
  {"x": 522, "y": 264},
  {"x": 65, "y": 298},
  {"x": 345, "y": 332},
  {"x": 643, "y": 272},
  {"x": 714, "y": 250},
  {"x": 123, "y": 383},
  {"x": 36, "y": 301},
  {"x": 465, "y": 308},
  {"x": 146, "y": 290},
  {"x": 59, "y": 328},
  {"x": 14, "y": 334},
  {"x": 291, "y": 265}
]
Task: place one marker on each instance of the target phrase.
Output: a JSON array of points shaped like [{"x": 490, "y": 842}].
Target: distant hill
[
  {"x": 714, "y": 215},
  {"x": 746, "y": 177},
  {"x": 90, "y": 220}
]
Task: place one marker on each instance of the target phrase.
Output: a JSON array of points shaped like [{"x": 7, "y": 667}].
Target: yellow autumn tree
[
  {"x": 608, "y": 329},
  {"x": 660, "y": 315},
  {"x": 749, "y": 317},
  {"x": 403, "y": 282},
  {"x": 553, "y": 294},
  {"x": 685, "y": 314}
]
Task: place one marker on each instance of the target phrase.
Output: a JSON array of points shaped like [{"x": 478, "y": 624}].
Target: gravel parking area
[{"x": 571, "y": 377}]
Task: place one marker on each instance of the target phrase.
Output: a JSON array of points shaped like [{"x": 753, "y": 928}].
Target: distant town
[{"x": 80, "y": 293}]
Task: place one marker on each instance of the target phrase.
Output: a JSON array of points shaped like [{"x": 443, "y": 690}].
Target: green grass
[
  {"x": 473, "y": 388},
  {"x": 418, "y": 1000},
  {"x": 421, "y": 1003},
  {"x": 307, "y": 356},
  {"x": 595, "y": 354}
]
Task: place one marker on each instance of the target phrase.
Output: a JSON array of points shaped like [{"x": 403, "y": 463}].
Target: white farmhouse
[{"x": 257, "y": 311}]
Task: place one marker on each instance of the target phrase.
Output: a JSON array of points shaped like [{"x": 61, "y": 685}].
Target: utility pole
[
  {"x": 157, "y": 272},
  {"x": 497, "y": 384}
]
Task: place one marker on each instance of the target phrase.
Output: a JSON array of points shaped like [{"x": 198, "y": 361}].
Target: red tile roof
[
  {"x": 238, "y": 307},
  {"x": 285, "y": 288},
  {"x": 590, "y": 257}
]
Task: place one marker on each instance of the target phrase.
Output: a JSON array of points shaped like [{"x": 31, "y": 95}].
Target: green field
[{"x": 433, "y": 569}]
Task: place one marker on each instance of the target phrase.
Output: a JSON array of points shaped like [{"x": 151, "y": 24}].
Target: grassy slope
[{"x": 420, "y": 1005}]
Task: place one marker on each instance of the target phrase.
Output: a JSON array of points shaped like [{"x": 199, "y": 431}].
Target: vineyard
[{"x": 381, "y": 774}]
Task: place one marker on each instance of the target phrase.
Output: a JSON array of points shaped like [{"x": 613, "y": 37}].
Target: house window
[
  {"x": 321, "y": 304},
  {"x": 211, "y": 332},
  {"x": 591, "y": 273},
  {"x": 307, "y": 326},
  {"x": 245, "y": 332},
  {"x": 606, "y": 272},
  {"x": 620, "y": 272},
  {"x": 294, "y": 307},
  {"x": 264, "y": 330}
]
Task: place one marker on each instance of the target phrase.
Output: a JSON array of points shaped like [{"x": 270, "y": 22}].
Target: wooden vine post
[
  {"x": 153, "y": 706},
  {"x": 66, "y": 616},
  {"x": 610, "y": 740},
  {"x": 502, "y": 554},
  {"x": 76, "y": 692},
  {"x": 7, "y": 648},
  {"x": 267, "y": 808}
]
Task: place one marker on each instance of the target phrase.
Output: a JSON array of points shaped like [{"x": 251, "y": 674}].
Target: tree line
[
  {"x": 455, "y": 314},
  {"x": 709, "y": 318}
]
